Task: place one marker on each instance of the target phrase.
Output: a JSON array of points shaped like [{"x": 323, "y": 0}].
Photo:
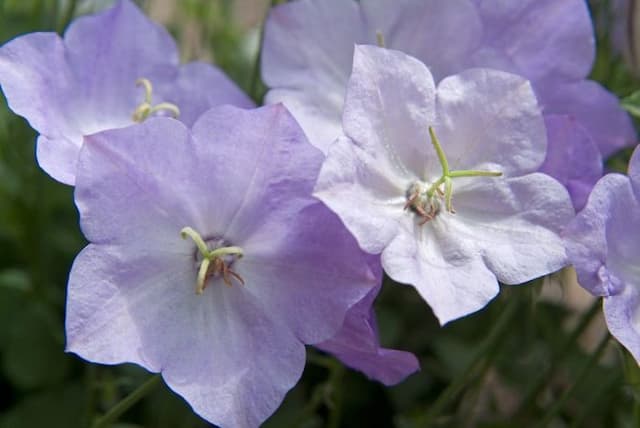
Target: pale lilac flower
[
  {"x": 261, "y": 268},
  {"x": 603, "y": 243},
  {"x": 87, "y": 82},
  {"x": 309, "y": 47},
  {"x": 388, "y": 184}
]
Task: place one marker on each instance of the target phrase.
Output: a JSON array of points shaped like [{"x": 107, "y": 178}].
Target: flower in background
[
  {"x": 209, "y": 260},
  {"x": 450, "y": 218},
  {"x": 549, "y": 42},
  {"x": 110, "y": 70},
  {"x": 603, "y": 243}
]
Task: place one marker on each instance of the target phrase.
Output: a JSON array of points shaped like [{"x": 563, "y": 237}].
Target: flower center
[
  {"x": 146, "y": 107},
  {"x": 214, "y": 258},
  {"x": 425, "y": 199}
]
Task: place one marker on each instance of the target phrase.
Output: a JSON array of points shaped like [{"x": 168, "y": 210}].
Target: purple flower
[
  {"x": 209, "y": 260},
  {"x": 86, "y": 82},
  {"x": 451, "y": 218},
  {"x": 550, "y": 42},
  {"x": 603, "y": 243}
]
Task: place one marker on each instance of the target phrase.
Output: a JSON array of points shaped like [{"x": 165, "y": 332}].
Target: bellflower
[
  {"x": 442, "y": 181},
  {"x": 110, "y": 70},
  {"x": 603, "y": 243},
  {"x": 308, "y": 51},
  {"x": 209, "y": 260}
]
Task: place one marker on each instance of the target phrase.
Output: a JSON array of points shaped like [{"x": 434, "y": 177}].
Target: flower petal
[
  {"x": 594, "y": 107},
  {"x": 127, "y": 171},
  {"x": 426, "y": 29},
  {"x": 315, "y": 269},
  {"x": 108, "y": 53},
  {"x": 357, "y": 345},
  {"x": 573, "y": 158},
  {"x": 488, "y": 117},
  {"x": 447, "y": 273},
  {"x": 621, "y": 314},
  {"x": 540, "y": 37},
  {"x": 311, "y": 75},
  {"x": 389, "y": 106},
  {"x": 43, "y": 98},
  {"x": 368, "y": 201},
  {"x": 515, "y": 224},
  {"x": 198, "y": 87},
  {"x": 267, "y": 165},
  {"x": 634, "y": 171},
  {"x": 599, "y": 242}
]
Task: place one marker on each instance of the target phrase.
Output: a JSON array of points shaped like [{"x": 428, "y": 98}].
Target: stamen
[
  {"x": 380, "y": 39},
  {"x": 146, "y": 108},
  {"x": 213, "y": 261}
]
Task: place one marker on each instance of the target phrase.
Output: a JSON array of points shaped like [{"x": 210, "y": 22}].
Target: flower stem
[
  {"x": 69, "y": 11},
  {"x": 116, "y": 411},
  {"x": 591, "y": 362},
  {"x": 477, "y": 364},
  {"x": 534, "y": 390}
]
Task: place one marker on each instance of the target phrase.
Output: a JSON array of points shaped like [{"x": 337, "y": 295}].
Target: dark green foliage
[{"x": 511, "y": 379}]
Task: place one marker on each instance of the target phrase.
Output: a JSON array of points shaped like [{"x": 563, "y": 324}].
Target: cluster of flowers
[{"x": 448, "y": 143}]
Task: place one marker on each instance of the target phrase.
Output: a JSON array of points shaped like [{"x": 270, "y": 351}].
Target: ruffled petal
[
  {"x": 389, "y": 106},
  {"x": 489, "y": 119},
  {"x": 595, "y": 108},
  {"x": 621, "y": 312},
  {"x": 540, "y": 38},
  {"x": 367, "y": 200},
  {"x": 448, "y": 273},
  {"x": 573, "y": 158},
  {"x": 600, "y": 242},
  {"x": 429, "y": 30},
  {"x": 310, "y": 75},
  {"x": 315, "y": 270},
  {"x": 514, "y": 224}
]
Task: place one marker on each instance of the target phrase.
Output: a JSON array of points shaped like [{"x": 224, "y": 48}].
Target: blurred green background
[{"x": 537, "y": 356}]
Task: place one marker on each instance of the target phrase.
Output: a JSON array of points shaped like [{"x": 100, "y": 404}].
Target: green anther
[
  {"x": 211, "y": 259},
  {"x": 426, "y": 207},
  {"x": 380, "y": 39},
  {"x": 146, "y": 108}
]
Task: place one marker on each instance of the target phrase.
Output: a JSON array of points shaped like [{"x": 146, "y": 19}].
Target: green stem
[
  {"x": 255, "y": 74},
  {"x": 68, "y": 15},
  {"x": 541, "y": 381},
  {"x": 335, "y": 407},
  {"x": 478, "y": 361},
  {"x": 559, "y": 404},
  {"x": 596, "y": 400},
  {"x": 125, "y": 404}
]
